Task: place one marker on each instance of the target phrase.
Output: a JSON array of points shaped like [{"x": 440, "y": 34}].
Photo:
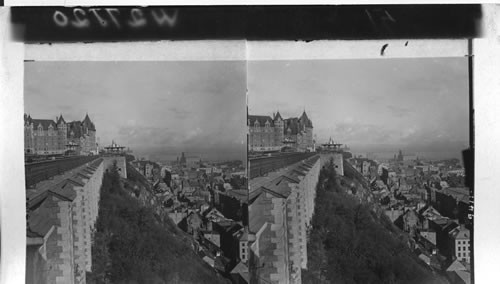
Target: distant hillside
[
  {"x": 131, "y": 245},
  {"x": 350, "y": 243}
]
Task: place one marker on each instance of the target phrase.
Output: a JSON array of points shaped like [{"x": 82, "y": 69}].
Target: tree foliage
[
  {"x": 131, "y": 245},
  {"x": 348, "y": 243}
]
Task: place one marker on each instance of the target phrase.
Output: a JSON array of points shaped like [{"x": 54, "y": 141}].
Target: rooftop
[{"x": 459, "y": 193}]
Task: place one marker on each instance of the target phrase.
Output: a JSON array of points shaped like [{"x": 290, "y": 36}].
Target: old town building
[
  {"x": 273, "y": 133},
  {"x": 49, "y": 137}
]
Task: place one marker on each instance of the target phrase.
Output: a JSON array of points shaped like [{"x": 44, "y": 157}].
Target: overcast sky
[
  {"x": 155, "y": 108},
  {"x": 418, "y": 105}
]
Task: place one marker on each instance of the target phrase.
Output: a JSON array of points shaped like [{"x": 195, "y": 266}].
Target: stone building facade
[
  {"x": 49, "y": 137},
  {"x": 62, "y": 213},
  {"x": 273, "y": 133}
]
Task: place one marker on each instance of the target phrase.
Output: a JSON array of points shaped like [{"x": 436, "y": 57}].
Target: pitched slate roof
[
  {"x": 460, "y": 232},
  {"x": 88, "y": 123},
  {"x": 45, "y": 123},
  {"x": 464, "y": 276},
  {"x": 305, "y": 120},
  {"x": 41, "y": 220},
  {"x": 461, "y": 194},
  {"x": 242, "y": 270},
  {"x": 60, "y": 120},
  {"x": 278, "y": 116},
  {"x": 240, "y": 194},
  {"x": 456, "y": 266},
  {"x": 262, "y": 119}
]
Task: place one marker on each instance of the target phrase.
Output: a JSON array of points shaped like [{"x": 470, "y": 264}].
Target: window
[{"x": 459, "y": 255}]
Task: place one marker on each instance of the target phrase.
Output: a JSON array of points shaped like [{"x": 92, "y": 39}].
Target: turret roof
[
  {"x": 278, "y": 115},
  {"x": 60, "y": 120},
  {"x": 88, "y": 123},
  {"x": 304, "y": 119}
]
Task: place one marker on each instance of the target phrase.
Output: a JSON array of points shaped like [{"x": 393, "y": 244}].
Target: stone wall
[
  {"x": 64, "y": 254},
  {"x": 63, "y": 212},
  {"x": 278, "y": 241},
  {"x": 285, "y": 203}
]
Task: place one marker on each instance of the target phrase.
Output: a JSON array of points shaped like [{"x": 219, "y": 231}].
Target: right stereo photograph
[{"x": 356, "y": 172}]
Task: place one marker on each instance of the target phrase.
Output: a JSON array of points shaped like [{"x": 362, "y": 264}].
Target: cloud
[
  {"x": 399, "y": 111},
  {"x": 134, "y": 135},
  {"x": 179, "y": 113}
]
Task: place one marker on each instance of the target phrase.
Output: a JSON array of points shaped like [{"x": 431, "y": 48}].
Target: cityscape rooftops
[
  {"x": 242, "y": 270},
  {"x": 456, "y": 266},
  {"x": 460, "y": 232},
  {"x": 459, "y": 193},
  {"x": 240, "y": 194}
]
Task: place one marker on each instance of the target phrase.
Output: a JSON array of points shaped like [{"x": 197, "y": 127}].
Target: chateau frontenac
[
  {"x": 48, "y": 137},
  {"x": 273, "y": 133}
]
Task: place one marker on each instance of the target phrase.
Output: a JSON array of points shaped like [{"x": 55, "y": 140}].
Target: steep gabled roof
[
  {"x": 278, "y": 116},
  {"x": 40, "y": 220},
  {"x": 262, "y": 119},
  {"x": 88, "y": 123},
  {"x": 456, "y": 266},
  {"x": 460, "y": 232},
  {"x": 242, "y": 270},
  {"x": 27, "y": 119},
  {"x": 45, "y": 123},
  {"x": 305, "y": 120},
  {"x": 60, "y": 120}
]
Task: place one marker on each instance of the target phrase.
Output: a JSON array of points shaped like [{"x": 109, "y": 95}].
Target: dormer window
[
  {"x": 268, "y": 124},
  {"x": 40, "y": 130},
  {"x": 256, "y": 124}
]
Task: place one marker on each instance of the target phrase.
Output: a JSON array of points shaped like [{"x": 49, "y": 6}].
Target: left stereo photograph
[{"x": 136, "y": 171}]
